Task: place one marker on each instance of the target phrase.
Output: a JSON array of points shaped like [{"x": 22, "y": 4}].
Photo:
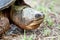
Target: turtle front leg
[{"x": 4, "y": 23}]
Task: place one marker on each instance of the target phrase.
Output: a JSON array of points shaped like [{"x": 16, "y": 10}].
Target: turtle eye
[{"x": 37, "y": 15}]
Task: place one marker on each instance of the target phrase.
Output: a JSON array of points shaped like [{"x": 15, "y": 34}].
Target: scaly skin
[{"x": 4, "y": 23}]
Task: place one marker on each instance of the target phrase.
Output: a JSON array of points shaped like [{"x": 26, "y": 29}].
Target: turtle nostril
[{"x": 38, "y": 15}]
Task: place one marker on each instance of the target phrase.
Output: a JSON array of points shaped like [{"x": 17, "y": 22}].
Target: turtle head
[
  {"x": 30, "y": 14},
  {"x": 32, "y": 18}
]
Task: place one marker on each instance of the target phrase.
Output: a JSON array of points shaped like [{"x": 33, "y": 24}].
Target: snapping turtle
[
  {"x": 26, "y": 17},
  {"x": 5, "y": 3}
]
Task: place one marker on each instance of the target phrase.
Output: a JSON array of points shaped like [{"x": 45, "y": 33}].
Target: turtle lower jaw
[{"x": 33, "y": 25}]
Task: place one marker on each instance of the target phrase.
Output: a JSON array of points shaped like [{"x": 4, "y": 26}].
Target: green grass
[
  {"x": 25, "y": 37},
  {"x": 46, "y": 32}
]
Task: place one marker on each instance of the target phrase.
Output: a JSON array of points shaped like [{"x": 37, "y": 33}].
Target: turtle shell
[{"x": 5, "y": 3}]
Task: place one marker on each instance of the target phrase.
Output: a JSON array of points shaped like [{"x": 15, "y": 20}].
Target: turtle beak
[{"x": 39, "y": 16}]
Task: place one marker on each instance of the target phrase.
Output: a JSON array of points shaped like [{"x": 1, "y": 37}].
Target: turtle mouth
[
  {"x": 37, "y": 21},
  {"x": 40, "y": 18},
  {"x": 35, "y": 24}
]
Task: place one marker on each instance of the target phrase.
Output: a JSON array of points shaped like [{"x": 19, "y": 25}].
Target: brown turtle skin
[
  {"x": 16, "y": 18},
  {"x": 4, "y": 23}
]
